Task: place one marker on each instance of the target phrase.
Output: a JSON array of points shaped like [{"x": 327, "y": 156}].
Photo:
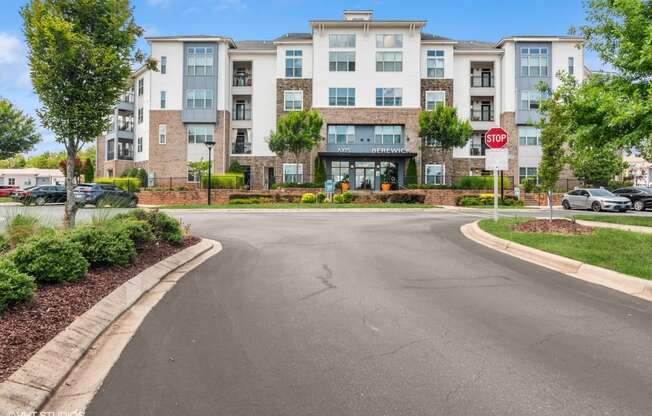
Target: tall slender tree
[{"x": 80, "y": 57}]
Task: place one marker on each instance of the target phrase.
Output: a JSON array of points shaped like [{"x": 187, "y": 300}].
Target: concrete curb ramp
[
  {"x": 618, "y": 281},
  {"x": 29, "y": 388}
]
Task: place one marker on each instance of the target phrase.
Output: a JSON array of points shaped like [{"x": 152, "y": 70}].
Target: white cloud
[{"x": 11, "y": 49}]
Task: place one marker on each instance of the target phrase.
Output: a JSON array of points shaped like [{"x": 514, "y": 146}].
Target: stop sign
[{"x": 496, "y": 138}]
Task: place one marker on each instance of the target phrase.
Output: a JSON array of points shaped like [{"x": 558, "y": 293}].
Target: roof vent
[{"x": 351, "y": 15}]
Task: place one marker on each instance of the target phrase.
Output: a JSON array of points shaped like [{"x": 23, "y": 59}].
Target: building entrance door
[{"x": 365, "y": 176}]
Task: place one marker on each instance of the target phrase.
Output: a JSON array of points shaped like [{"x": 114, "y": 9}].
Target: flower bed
[{"x": 40, "y": 297}]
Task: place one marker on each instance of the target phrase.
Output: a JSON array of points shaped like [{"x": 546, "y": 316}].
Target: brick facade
[
  {"x": 444, "y": 84},
  {"x": 508, "y": 123},
  {"x": 293, "y": 84}
]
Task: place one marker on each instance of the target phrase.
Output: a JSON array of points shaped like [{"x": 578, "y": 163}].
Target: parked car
[
  {"x": 101, "y": 194},
  {"x": 640, "y": 196},
  {"x": 40, "y": 195},
  {"x": 596, "y": 200},
  {"x": 7, "y": 190}
]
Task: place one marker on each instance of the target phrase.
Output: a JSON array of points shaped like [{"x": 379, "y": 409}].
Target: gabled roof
[
  {"x": 255, "y": 44},
  {"x": 432, "y": 37},
  {"x": 294, "y": 36}
]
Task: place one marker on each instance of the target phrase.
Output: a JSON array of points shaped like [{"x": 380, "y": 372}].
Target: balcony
[
  {"x": 126, "y": 102},
  {"x": 482, "y": 80},
  {"x": 241, "y": 114},
  {"x": 242, "y": 78},
  {"x": 483, "y": 114},
  {"x": 125, "y": 150},
  {"x": 240, "y": 148}
]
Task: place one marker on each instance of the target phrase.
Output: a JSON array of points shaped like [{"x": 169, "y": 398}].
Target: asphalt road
[{"x": 378, "y": 314}]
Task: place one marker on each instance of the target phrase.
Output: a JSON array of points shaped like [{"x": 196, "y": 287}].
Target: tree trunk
[{"x": 71, "y": 207}]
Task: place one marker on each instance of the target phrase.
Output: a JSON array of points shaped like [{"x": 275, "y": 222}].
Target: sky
[{"x": 486, "y": 20}]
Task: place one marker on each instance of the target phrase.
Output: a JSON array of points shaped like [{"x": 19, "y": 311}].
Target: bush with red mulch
[{"x": 557, "y": 226}]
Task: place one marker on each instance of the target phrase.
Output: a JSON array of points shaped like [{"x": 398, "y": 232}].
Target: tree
[
  {"x": 320, "y": 171},
  {"x": 15, "y": 162},
  {"x": 76, "y": 170},
  {"x": 596, "y": 165},
  {"x": 296, "y": 132},
  {"x": 234, "y": 167},
  {"x": 411, "y": 172},
  {"x": 88, "y": 169},
  {"x": 442, "y": 129},
  {"x": 17, "y": 131},
  {"x": 80, "y": 55}
]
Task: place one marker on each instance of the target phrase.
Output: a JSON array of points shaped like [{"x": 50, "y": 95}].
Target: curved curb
[
  {"x": 618, "y": 281},
  {"x": 624, "y": 227},
  {"x": 29, "y": 387}
]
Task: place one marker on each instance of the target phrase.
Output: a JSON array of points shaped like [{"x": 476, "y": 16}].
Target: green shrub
[
  {"x": 138, "y": 231},
  {"x": 320, "y": 196},
  {"x": 426, "y": 186},
  {"x": 15, "y": 286},
  {"x": 21, "y": 228},
  {"x": 126, "y": 184},
  {"x": 347, "y": 197},
  {"x": 486, "y": 200},
  {"x": 406, "y": 198},
  {"x": 245, "y": 201},
  {"x": 528, "y": 185},
  {"x": 308, "y": 198},
  {"x": 139, "y": 173},
  {"x": 105, "y": 246},
  {"x": 224, "y": 181},
  {"x": 480, "y": 182},
  {"x": 51, "y": 258},
  {"x": 4, "y": 243},
  {"x": 338, "y": 199},
  {"x": 411, "y": 174},
  {"x": 613, "y": 185},
  {"x": 165, "y": 227},
  {"x": 235, "y": 167}
]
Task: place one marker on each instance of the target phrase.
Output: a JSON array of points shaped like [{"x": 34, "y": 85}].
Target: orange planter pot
[
  {"x": 385, "y": 186},
  {"x": 345, "y": 186}
]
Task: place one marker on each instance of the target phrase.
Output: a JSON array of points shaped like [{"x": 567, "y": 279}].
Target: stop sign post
[{"x": 496, "y": 139}]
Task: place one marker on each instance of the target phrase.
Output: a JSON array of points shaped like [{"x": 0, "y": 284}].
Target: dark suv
[
  {"x": 40, "y": 195},
  {"x": 640, "y": 196},
  {"x": 104, "y": 195}
]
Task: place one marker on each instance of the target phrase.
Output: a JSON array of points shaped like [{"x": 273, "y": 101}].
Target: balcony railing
[
  {"x": 240, "y": 148},
  {"x": 482, "y": 115},
  {"x": 482, "y": 81},
  {"x": 126, "y": 127},
  {"x": 242, "y": 80},
  {"x": 242, "y": 114},
  {"x": 127, "y": 97}
]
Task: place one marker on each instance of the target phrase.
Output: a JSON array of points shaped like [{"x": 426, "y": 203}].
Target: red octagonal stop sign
[{"x": 496, "y": 138}]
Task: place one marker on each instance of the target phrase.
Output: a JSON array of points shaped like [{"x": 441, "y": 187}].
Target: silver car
[{"x": 596, "y": 200}]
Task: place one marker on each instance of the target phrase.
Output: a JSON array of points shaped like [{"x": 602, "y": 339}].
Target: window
[
  {"x": 200, "y": 134},
  {"x": 529, "y": 136},
  {"x": 162, "y": 137},
  {"x": 530, "y": 100},
  {"x": 199, "y": 99},
  {"x": 389, "y": 41},
  {"x": 434, "y": 174},
  {"x": 528, "y": 173},
  {"x": 388, "y": 134},
  {"x": 193, "y": 175},
  {"x": 140, "y": 115},
  {"x": 110, "y": 149},
  {"x": 141, "y": 86},
  {"x": 475, "y": 145},
  {"x": 435, "y": 98},
  {"x": 389, "y": 97},
  {"x": 571, "y": 65},
  {"x": 293, "y": 172},
  {"x": 341, "y": 61},
  {"x": 293, "y": 63},
  {"x": 435, "y": 64},
  {"x": 341, "y": 134},
  {"x": 164, "y": 64},
  {"x": 11, "y": 181},
  {"x": 534, "y": 62},
  {"x": 292, "y": 100},
  {"x": 339, "y": 170},
  {"x": 389, "y": 61},
  {"x": 139, "y": 144},
  {"x": 341, "y": 96},
  {"x": 162, "y": 99},
  {"x": 341, "y": 41},
  {"x": 200, "y": 61}
]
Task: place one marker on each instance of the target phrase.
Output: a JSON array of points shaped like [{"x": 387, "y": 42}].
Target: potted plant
[
  {"x": 344, "y": 183},
  {"x": 386, "y": 182}
]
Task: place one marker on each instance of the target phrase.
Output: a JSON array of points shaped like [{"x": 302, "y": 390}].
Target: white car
[{"x": 596, "y": 200}]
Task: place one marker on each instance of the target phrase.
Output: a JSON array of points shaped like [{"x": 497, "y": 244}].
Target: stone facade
[
  {"x": 259, "y": 165},
  {"x": 294, "y": 84},
  {"x": 100, "y": 154},
  {"x": 508, "y": 123},
  {"x": 444, "y": 84}
]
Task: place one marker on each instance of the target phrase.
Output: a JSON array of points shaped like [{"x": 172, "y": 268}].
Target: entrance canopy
[{"x": 343, "y": 155}]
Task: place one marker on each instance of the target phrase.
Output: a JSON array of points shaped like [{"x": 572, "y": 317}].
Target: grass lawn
[
  {"x": 499, "y": 207},
  {"x": 300, "y": 206},
  {"x": 5, "y": 199},
  {"x": 618, "y": 219},
  {"x": 622, "y": 251}
]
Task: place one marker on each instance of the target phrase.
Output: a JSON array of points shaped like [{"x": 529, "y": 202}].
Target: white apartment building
[{"x": 369, "y": 79}]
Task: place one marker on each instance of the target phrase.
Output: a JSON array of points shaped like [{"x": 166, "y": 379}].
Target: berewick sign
[{"x": 496, "y": 138}]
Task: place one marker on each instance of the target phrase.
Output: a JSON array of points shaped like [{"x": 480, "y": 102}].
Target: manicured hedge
[
  {"x": 126, "y": 184},
  {"x": 486, "y": 200},
  {"x": 480, "y": 182},
  {"x": 224, "y": 181},
  {"x": 52, "y": 258}
]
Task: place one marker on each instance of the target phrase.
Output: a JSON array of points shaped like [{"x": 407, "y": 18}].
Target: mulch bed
[
  {"x": 25, "y": 328},
  {"x": 557, "y": 226}
]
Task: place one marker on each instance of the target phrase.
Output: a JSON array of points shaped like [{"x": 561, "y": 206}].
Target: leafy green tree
[
  {"x": 80, "y": 57},
  {"x": 89, "y": 170},
  {"x": 320, "y": 171},
  {"x": 15, "y": 162},
  {"x": 235, "y": 167},
  {"x": 442, "y": 129},
  {"x": 596, "y": 165},
  {"x": 18, "y": 132},
  {"x": 200, "y": 167},
  {"x": 296, "y": 132}
]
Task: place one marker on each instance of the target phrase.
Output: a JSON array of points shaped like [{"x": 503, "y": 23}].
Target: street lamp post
[{"x": 210, "y": 145}]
